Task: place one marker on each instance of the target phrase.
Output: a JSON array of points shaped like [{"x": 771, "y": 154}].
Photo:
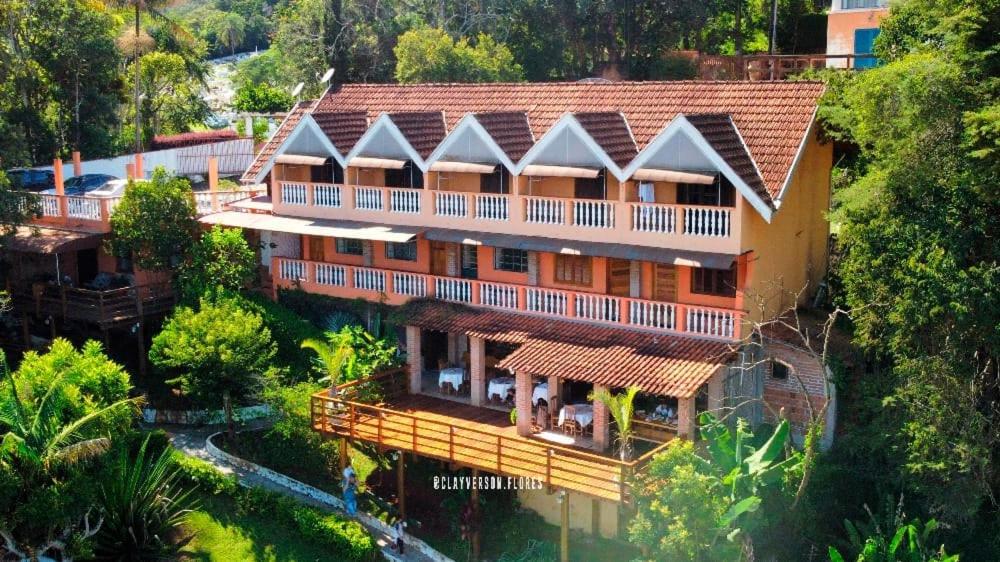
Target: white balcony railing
[
  {"x": 493, "y": 207},
  {"x": 405, "y": 201},
  {"x": 661, "y": 219},
  {"x": 368, "y": 198},
  {"x": 708, "y": 221},
  {"x": 293, "y": 193},
  {"x": 702, "y": 321},
  {"x": 451, "y": 204},
  {"x": 50, "y": 206},
  {"x": 327, "y": 195},
  {"x": 83, "y": 208},
  {"x": 593, "y": 214},
  {"x": 545, "y": 210}
]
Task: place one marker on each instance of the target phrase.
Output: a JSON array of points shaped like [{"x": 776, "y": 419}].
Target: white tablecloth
[
  {"x": 454, "y": 375},
  {"x": 584, "y": 414},
  {"x": 541, "y": 392},
  {"x": 500, "y": 386}
]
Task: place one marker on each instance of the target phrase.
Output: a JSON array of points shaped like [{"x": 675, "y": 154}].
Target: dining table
[
  {"x": 582, "y": 413},
  {"x": 453, "y": 375},
  {"x": 499, "y": 386}
]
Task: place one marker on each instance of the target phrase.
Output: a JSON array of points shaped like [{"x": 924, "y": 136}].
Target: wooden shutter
[
  {"x": 664, "y": 282},
  {"x": 619, "y": 277},
  {"x": 575, "y": 270},
  {"x": 316, "y": 250},
  {"x": 439, "y": 258}
]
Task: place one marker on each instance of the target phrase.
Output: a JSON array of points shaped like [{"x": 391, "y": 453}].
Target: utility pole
[
  {"x": 773, "y": 42},
  {"x": 738, "y": 33}
]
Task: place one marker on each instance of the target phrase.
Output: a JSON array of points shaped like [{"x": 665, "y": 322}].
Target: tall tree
[{"x": 231, "y": 31}]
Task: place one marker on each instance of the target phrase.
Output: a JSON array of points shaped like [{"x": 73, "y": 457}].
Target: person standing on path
[{"x": 350, "y": 485}]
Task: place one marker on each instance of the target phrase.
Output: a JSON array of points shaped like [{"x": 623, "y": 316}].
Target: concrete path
[{"x": 191, "y": 442}]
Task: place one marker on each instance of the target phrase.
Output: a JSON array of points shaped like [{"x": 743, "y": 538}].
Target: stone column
[
  {"x": 716, "y": 392},
  {"x": 414, "y": 358},
  {"x": 477, "y": 376},
  {"x": 522, "y": 394},
  {"x": 687, "y": 424},
  {"x": 602, "y": 426}
]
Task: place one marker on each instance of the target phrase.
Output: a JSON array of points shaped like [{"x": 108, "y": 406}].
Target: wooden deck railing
[
  {"x": 106, "y": 308},
  {"x": 554, "y": 465},
  {"x": 774, "y": 67}
]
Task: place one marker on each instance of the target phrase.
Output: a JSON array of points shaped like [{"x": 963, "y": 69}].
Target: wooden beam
[
  {"x": 564, "y": 528},
  {"x": 400, "y": 484}
]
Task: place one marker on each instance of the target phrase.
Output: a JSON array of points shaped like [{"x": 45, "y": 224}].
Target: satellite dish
[
  {"x": 326, "y": 76},
  {"x": 298, "y": 89}
]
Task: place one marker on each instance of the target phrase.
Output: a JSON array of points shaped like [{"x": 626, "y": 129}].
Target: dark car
[
  {"x": 31, "y": 180},
  {"x": 86, "y": 183}
]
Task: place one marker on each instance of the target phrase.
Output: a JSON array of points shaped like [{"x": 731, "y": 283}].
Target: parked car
[
  {"x": 31, "y": 180},
  {"x": 113, "y": 188},
  {"x": 83, "y": 184}
]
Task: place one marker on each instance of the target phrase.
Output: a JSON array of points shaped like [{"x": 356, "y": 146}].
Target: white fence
[{"x": 234, "y": 156}]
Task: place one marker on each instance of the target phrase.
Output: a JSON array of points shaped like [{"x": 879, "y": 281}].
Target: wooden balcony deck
[
  {"x": 104, "y": 308},
  {"x": 472, "y": 437}
]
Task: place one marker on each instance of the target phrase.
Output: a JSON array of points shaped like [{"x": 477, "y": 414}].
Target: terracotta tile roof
[
  {"x": 423, "y": 129},
  {"x": 720, "y": 132},
  {"x": 343, "y": 128},
  {"x": 271, "y": 146},
  {"x": 610, "y": 130},
  {"x": 614, "y": 357},
  {"x": 772, "y": 117},
  {"x": 510, "y": 130}
]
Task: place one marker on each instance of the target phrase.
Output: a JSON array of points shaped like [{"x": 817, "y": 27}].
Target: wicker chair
[{"x": 553, "y": 412}]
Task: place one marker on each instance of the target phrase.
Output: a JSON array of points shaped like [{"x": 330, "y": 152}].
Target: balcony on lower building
[{"x": 397, "y": 287}]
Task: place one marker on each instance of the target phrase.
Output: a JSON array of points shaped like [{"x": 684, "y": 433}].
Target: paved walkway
[{"x": 191, "y": 442}]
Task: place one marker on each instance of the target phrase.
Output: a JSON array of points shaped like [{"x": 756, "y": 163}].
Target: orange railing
[
  {"x": 397, "y": 287},
  {"x": 772, "y": 67},
  {"x": 457, "y": 443}
]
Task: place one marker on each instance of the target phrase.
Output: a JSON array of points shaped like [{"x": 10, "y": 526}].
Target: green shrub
[
  {"x": 203, "y": 474},
  {"x": 288, "y": 330}
]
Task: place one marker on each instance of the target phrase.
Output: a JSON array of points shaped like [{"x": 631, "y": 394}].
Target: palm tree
[
  {"x": 152, "y": 8},
  {"x": 37, "y": 445},
  {"x": 333, "y": 357},
  {"x": 231, "y": 31},
  {"x": 621, "y": 407}
]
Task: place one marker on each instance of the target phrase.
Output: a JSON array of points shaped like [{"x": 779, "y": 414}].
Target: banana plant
[{"x": 744, "y": 469}]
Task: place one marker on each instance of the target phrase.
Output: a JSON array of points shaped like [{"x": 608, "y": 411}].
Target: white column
[{"x": 414, "y": 358}]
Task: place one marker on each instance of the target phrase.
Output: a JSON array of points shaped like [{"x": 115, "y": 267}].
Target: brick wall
[{"x": 803, "y": 371}]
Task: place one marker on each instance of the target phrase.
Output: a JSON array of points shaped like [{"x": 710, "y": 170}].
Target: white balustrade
[
  {"x": 453, "y": 289},
  {"x": 546, "y": 301},
  {"x": 451, "y": 204},
  {"x": 368, "y": 198},
  {"x": 661, "y": 219},
  {"x": 492, "y": 207},
  {"x": 405, "y": 201},
  {"x": 327, "y": 195},
  {"x": 545, "y": 211},
  {"x": 113, "y": 203},
  {"x": 603, "y": 308},
  {"x": 50, "y": 206},
  {"x": 650, "y": 314},
  {"x": 83, "y": 208},
  {"x": 292, "y": 270},
  {"x": 710, "y": 322},
  {"x": 331, "y": 274},
  {"x": 593, "y": 214},
  {"x": 409, "y": 284},
  {"x": 498, "y": 295},
  {"x": 708, "y": 221},
  {"x": 293, "y": 193},
  {"x": 369, "y": 279}
]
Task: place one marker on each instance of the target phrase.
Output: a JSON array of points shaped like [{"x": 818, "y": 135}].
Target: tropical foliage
[
  {"x": 220, "y": 258},
  {"x": 431, "y": 55},
  {"x": 621, "y": 407},
  {"x": 218, "y": 353},
  {"x": 155, "y": 222}
]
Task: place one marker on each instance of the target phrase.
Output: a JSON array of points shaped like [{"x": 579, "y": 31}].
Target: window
[
  {"x": 317, "y": 250},
  {"x": 494, "y": 182},
  {"x": 855, "y": 4},
  {"x": 589, "y": 188},
  {"x": 574, "y": 270},
  {"x": 779, "y": 370},
  {"x": 715, "y": 282},
  {"x": 470, "y": 261},
  {"x": 405, "y": 251},
  {"x": 719, "y": 194},
  {"x": 509, "y": 259},
  {"x": 331, "y": 172},
  {"x": 350, "y": 246},
  {"x": 409, "y": 176}
]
